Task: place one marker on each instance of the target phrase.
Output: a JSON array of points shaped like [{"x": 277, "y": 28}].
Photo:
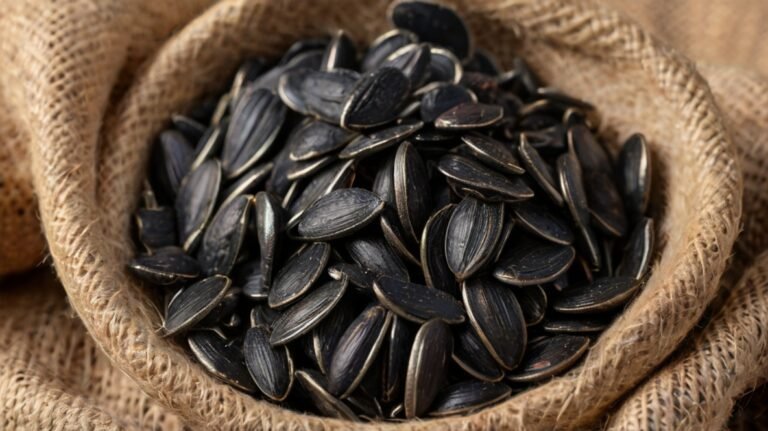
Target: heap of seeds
[{"x": 404, "y": 231}]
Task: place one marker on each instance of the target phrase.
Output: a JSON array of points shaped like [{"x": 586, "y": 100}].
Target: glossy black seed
[
  {"x": 384, "y": 45},
  {"x": 469, "y": 116},
  {"x": 549, "y": 357},
  {"x": 605, "y": 203},
  {"x": 592, "y": 156},
  {"x": 304, "y": 315},
  {"x": 357, "y": 349},
  {"x": 471, "y": 173},
  {"x": 467, "y": 396},
  {"x": 376, "y": 99},
  {"x": 340, "y": 52},
  {"x": 315, "y": 384},
  {"x": 572, "y": 187},
  {"x": 441, "y": 99},
  {"x": 326, "y": 92},
  {"x": 289, "y": 89},
  {"x": 434, "y": 23},
  {"x": 326, "y": 335},
  {"x": 247, "y": 183},
  {"x": 396, "y": 238},
  {"x": 635, "y": 175},
  {"x": 224, "y": 237},
  {"x": 271, "y": 367},
  {"x": 255, "y": 124},
  {"x": 411, "y": 187},
  {"x": 195, "y": 202},
  {"x": 194, "y": 303},
  {"x": 270, "y": 224},
  {"x": 471, "y": 236},
  {"x": 497, "y": 318},
  {"x": 531, "y": 261},
  {"x": 307, "y": 168},
  {"x": 413, "y": 61},
  {"x": 395, "y": 358},
  {"x": 165, "y": 268},
  {"x": 437, "y": 273},
  {"x": 416, "y": 302},
  {"x": 331, "y": 178},
  {"x": 210, "y": 143},
  {"x": 252, "y": 281},
  {"x": 564, "y": 324},
  {"x": 493, "y": 153},
  {"x": 156, "y": 227},
  {"x": 638, "y": 251},
  {"x": 444, "y": 66},
  {"x": 602, "y": 295},
  {"x": 339, "y": 214},
  {"x": 221, "y": 358},
  {"x": 308, "y": 59},
  {"x": 426, "y": 366},
  {"x": 359, "y": 277},
  {"x": 544, "y": 222},
  {"x": 317, "y": 138},
  {"x": 384, "y": 182},
  {"x": 473, "y": 357},
  {"x": 299, "y": 274},
  {"x": 376, "y": 256},
  {"x": 366, "y": 145},
  {"x": 175, "y": 160}
]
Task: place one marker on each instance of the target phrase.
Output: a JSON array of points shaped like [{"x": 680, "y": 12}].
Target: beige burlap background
[{"x": 110, "y": 112}]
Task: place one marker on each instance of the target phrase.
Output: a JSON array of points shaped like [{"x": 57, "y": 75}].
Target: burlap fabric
[{"x": 90, "y": 118}]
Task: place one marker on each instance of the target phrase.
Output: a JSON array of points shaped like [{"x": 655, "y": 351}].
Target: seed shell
[
  {"x": 304, "y": 315},
  {"x": 471, "y": 236},
  {"x": 602, "y": 295},
  {"x": 416, "y": 302},
  {"x": 221, "y": 358},
  {"x": 339, "y": 214},
  {"x": 299, "y": 274},
  {"x": 550, "y": 356},
  {"x": 426, "y": 366},
  {"x": 463, "y": 397},
  {"x": 270, "y": 367}
]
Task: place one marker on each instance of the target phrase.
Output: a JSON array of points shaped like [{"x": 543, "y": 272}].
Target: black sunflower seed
[
  {"x": 210, "y": 143},
  {"x": 473, "y": 357},
  {"x": 602, "y": 295},
  {"x": 413, "y": 61},
  {"x": 639, "y": 251},
  {"x": 357, "y": 349},
  {"x": 306, "y": 59},
  {"x": 563, "y": 324},
  {"x": 426, "y": 366},
  {"x": 224, "y": 237},
  {"x": 366, "y": 145},
  {"x": 192, "y": 129},
  {"x": 471, "y": 236},
  {"x": 302, "y": 46},
  {"x": 539, "y": 169},
  {"x": 255, "y": 124},
  {"x": 493, "y": 153},
  {"x": 299, "y": 274},
  {"x": 339, "y": 214},
  {"x": 533, "y": 302},
  {"x": 442, "y": 98},
  {"x": 340, "y": 52},
  {"x": 473, "y": 174},
  {"x": 194, "y": 303},
  {"x": 444, "y": 67},
  {"x": 271, "y": 367},
  {"x": 358, "y": 277},
  {"x": 331, "y": 178},
  {"x": 306, "y": 168},
  {"x": 437, "y": 273},
  {"x": 176, "y": 155},
  {"x": 384, "y": 45},
  {"x": 496, "y": 315},
  {"x": 165, "y": 268},
  {"x": 394, "y": 235},
  {"x": 543, "y": 222},
  {"x": 635, "y": 175},
  {"x": 592, "y": 156},
  {"x": 467, "y": 396},
  {"x": 316, "y": 139},
  {"x": 315, "y": 384},
  {"x": 326, "y": 92},
  {"x": 221, "y": 358},
  {"x": 289, "y": 89},
  {"x": 375, "y": 255},
  {"x": 263, "y": 315},
  {"x": 304, "y": 315},
  {"x": 572, "y": 187},
  {"x": 434, "y": 23},
  {"x": 396, "y": 348},
  {"x": 411, "y": 190},
  {"x": 376, "y": 99},
  {"x": 249, "y": 277},
  {"x": 195, "y": 202},
  {"x": 326, "y": 335},
  {"x": 469, "y": 116},
  {"x": 384, "y": 182},
  {"x": 532, "y": 261},
  {"x": 156, "y": 227},
  {"x": 416, "y": 302},
  {"x": 550, "y": 356},
  {"x": 270, "y": 223},
  {"x": 605, "y": 204}
]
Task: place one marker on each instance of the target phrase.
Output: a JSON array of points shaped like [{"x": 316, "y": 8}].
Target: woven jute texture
[
  {"x": 90, "y": 120},
  {"x": 53, "y": 376}
]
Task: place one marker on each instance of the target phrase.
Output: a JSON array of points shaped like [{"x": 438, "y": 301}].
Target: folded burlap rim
[{"x": 89, "y": 158}]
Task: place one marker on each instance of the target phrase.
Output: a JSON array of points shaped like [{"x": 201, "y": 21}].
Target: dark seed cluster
[{"x": 392, "y": 233}]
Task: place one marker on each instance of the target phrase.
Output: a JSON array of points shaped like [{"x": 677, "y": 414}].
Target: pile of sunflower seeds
[{"x": 404, "y": 231}]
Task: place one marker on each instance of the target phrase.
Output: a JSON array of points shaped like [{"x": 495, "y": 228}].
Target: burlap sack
[
  {"x": 53, "y": 376},
  {"x": 89, "y": 145},
  {"x": 698, "y": 389}
]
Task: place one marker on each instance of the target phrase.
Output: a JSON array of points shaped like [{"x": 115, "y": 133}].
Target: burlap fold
[{"x": 91, "y": 117}]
